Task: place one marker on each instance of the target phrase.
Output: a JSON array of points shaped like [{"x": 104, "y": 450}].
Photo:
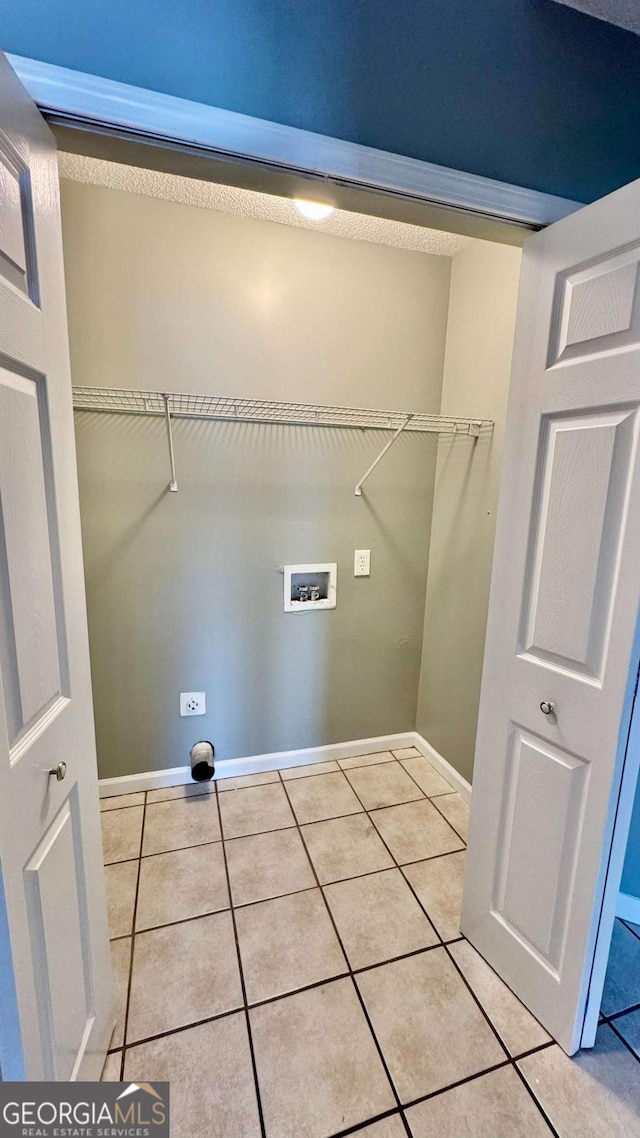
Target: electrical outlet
[
  {"x": 362, "y": 563},
  {"x": 193, "y": 702}
]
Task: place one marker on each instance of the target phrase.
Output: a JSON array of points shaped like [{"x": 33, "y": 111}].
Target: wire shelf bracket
[{"x": 223, "y": 408}]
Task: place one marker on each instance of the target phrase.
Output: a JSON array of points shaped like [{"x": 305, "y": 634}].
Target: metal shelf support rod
[
  {"x": 173, "y": 485},
  {"x": 396, "y": 434}
]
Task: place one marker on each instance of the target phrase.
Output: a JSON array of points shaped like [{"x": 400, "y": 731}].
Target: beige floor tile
[
  {"x": 345, "y": 847},
  {"x": 517, "y": 1028},
  {"x": 117, "y": 801},
  {"x": 111, "y": 1069},
  {"x": 179, "y": 823},
  {"x": 121, "y": 880},
  {"x": 430, "y": 1029},
  {"x": 383, "y": 785},
  {"x": 492, "y": 1106},
  {"x": 181, "y": 884},
  {"x": 365, "y": 760},
  {"x": 120, "y": 964},
  {"x": 456, "y": 811},
  {"x": 185, "y": 790},
  {"x": 415, "y": 831},
  {"x": 439, "y": 883},
  {"x": 121, "y": 831},
  {"x": 267, "y": 865},
  {"x": 622, "y": 981},
  {"x": 209, "y": 1069},
  {"x": 378, "y": 918},
  {"x": 329, "y": 767},
  {"x": 391, "y": 1127},
  {"x": 406, "y": 753},
  {"x": 318, "y": 1068},
  {"x": 594, "y": 1095},
  {"x": 426, "y": 776},
  {"x": 629, "y": 1028},
  {"x": 254, "y": 811},
  {"x": 325, "y": 796},
  {"x": 182, "y": 974},
  {"x": 240, "y": 782},
  {"x": 287, "y": 943}
]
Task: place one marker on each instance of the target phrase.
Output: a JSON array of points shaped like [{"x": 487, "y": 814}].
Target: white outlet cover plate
[
  {"x": 193, "y": 703},
  {"x": 362, "y": 563}
]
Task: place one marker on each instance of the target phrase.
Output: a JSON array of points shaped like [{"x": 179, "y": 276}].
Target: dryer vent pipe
[{"x": 202, "y": 764}]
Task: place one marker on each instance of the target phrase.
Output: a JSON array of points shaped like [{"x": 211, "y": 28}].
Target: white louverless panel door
[
  {"x": 59, "y": 998},
  {"x": 564, "y": 602}
]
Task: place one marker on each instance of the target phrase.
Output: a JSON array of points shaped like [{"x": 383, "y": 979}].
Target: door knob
[
  {"x": 59, "y": 771},
  {"x": 547, "y": 708}
]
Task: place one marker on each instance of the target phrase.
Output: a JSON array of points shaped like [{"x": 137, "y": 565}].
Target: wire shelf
[{"x": 224, "y": 408}]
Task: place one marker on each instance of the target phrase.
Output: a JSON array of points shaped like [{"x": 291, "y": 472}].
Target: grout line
[
  {"x": 185, "y": 1027},
  {"x": 351, "y": 976},
  {"x": 529, "y": 1090},
  {"x": 125, "y": 1026},
  {"x": 179, "y": 849},
  {"x": 622, "y": 1012},
  {"x": 625, "y": 1041},
  {"x": 241, "y": 972},
  {"x": 360, "y": 1126},
  {"x": 462, "y": 839},
  {"x": 628, "y": 925}
]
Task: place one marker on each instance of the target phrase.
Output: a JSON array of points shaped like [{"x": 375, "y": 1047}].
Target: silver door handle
[
  {"x": 59, "y": 771},
  {"x": 547, "y": 708}
]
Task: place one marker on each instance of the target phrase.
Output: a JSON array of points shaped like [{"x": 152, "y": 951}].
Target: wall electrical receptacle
[
  {"x": 193, "y": 703},
  {"x": 362, "y": 563}
]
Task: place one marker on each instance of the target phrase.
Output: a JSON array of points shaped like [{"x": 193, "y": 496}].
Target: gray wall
[
  {"x": 484, "y": 286},
  {"x": 184, "y": 591}
]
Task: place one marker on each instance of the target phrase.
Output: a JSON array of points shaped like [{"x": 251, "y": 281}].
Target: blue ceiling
[{"x": 527, "y": 91}]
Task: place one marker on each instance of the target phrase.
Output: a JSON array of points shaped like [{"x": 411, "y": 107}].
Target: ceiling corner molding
[{"x": 106, "y": 103}]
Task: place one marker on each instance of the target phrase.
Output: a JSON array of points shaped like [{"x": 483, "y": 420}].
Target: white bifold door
[
  {"x": 55, "y": 975},
  {"x": 561, "y": 653}
]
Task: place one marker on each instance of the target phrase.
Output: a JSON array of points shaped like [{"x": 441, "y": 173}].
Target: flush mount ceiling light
[{"x": 314, "y": 211}]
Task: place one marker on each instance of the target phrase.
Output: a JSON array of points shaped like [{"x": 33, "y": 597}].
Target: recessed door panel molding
[
  {"x": 540, "y": 835},
  {"x": 597, "y": 307},
  {"x": 31, "y": 657},
  {"x": 17, "y": 242},
  {"x": 577, "y": 530},
  {"x": 54, "y": 885}
]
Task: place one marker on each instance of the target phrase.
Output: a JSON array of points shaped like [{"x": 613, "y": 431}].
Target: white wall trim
[
  {"x": 107, "y": 102},
  {"x": 452, "y": 776},
  {"x": 628, "y": 908},
  {"x": 253, "y": 764},
  {"x": 280, "y": 760}
]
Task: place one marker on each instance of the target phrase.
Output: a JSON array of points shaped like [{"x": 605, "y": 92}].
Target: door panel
[
  {"x": 54, "y": 884},
  {"x": 577, "y": 532},
  {"x": 545, "y": 794},
  {"x": 564, "y": 603},
  {"x": 54, "y": 903},
  {"x": 26, "y": 543}
]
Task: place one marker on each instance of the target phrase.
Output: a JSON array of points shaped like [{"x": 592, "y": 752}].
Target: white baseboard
[
  {"x": 279, "y": 760},
  {"x": 452, "y": 776},
  {"x": 628, "y": 908}
]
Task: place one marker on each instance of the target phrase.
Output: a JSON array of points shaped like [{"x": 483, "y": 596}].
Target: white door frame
[{"x": 99, "y": 104}]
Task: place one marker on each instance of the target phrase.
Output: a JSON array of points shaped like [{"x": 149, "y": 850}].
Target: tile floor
[{"x": 287, "y": 953}]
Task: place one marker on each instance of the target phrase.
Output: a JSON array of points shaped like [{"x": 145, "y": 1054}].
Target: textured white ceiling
[
  {"x": 248, "y": 203},
  {"x": 624, "y": 13}
]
